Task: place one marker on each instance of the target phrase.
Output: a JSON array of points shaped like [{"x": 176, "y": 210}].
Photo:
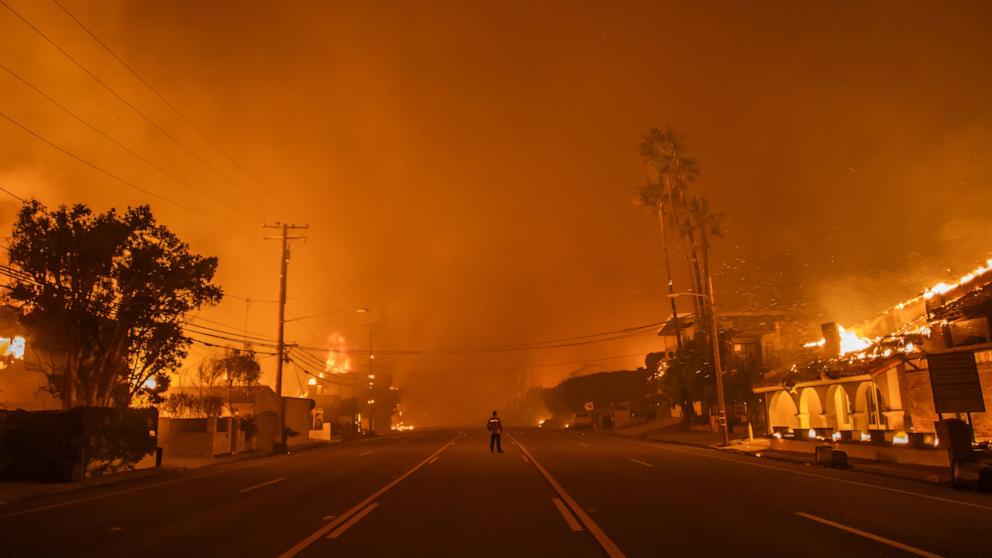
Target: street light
[{"x": 717, "y": 369}]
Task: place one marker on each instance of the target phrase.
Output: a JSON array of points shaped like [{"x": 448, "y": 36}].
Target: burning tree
[{"x": 104, "y": 296}]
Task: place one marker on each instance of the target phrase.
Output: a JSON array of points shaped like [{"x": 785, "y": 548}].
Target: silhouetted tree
[
  {"x": 234, "y": 368},
  {"x": 684, "y": 380},
  {"x": 104, "y": 296},
  {"x": 671, "y": 171}
]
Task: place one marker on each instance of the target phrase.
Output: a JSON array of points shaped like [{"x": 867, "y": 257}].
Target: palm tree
[{"x": 670, "y": 173}]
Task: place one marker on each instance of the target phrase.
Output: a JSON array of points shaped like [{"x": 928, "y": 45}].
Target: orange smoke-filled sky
[{"x": 468, "y": 169}]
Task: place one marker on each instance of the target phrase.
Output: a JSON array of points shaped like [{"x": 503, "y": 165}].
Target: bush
[{"x": 63, "y": 446}]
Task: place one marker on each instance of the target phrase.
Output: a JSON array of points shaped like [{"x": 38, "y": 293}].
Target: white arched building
[{"x": 869, "y": 398}]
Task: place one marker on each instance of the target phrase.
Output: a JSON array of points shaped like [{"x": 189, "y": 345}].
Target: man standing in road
[{"x": 495, "y": 428}]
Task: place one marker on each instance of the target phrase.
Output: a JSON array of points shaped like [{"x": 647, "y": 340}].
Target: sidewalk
[
  {"x": 11, "y": 492},
  {"x": 931, "y": 475},
  {"x": 759, "y": 448},
  {"x": 663, "y": 430}
]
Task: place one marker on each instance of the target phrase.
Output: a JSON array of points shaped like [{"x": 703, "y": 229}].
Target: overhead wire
[
  {"x": 13, "y": 195},
  {"x": 509, "y": 368},
  {"x": 550, "y": 344},
  {"x": 125, "y": 148},
  {"x": 131, "y": 106},
  {"x": 114, "y": 176},
  {"x": 171, "y": 105}
]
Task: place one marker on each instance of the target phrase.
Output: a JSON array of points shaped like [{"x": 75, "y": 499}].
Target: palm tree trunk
[{"x": 671, "y": 283}]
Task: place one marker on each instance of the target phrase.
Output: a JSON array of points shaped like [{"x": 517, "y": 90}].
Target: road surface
[{"x": 552, "y": 493}]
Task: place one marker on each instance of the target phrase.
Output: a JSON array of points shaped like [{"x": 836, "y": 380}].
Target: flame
[
  {"x": 338, "y": 361},
  {"x": 849, "y": 342},
  {"x": 941, "y": 288},
  {"x": 11, "y": 349}
]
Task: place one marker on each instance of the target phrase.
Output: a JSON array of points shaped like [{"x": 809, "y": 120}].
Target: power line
[
  {"x": 114, "y": 176},
  {"x": 509, "y": 368},
  {"x": 169, "y": 104},
  {"x": 131, "y": 106},
  {"x": 13, "y": 195},
  {"x": 241, "y": 336},
  {"x": 218, "y": 346},
  {"x": 234, "y": 330},
  {"x": 551, "y": 344},
  {"x": 120, "y": 145},
  {"x": 329, "y": 380}
]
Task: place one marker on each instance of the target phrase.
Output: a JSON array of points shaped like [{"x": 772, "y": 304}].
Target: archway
[
  {"x": 782, "y": 411},
  {"x": 838, "y": 408},
  {"x": 811, "y": 410},
  {"x": 868, "y": 408}
]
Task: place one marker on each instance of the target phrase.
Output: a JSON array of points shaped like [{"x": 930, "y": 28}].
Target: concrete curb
[
  {"x": 44, "y": 489},
  {"x": 38, "y": 490},
  {"x": 801, "y": 459}
]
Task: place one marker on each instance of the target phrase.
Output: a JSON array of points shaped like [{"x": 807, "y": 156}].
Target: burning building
[{"x": 892, "y": 377}]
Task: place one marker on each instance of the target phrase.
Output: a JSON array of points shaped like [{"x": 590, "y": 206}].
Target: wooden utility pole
[
  {"x": 280, "y": 335},
  {"x": 717, "y": 367}
]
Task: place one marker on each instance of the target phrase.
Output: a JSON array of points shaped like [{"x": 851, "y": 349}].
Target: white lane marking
[
  {"x": 128, "y": 490},
  {"x": 525, "y": 458},
  {"x": 366, "y": 453},
  {"x": 316, "y": 535},
  {"x": 354, "y": 519},
  {"x": 328, "y": 517},
  {"x": 639, "y": 462},
  {"x": 833, "y": 479},
  {"x": 433, "y": 459},
  {"x": 612, "y": 550},
  {"x": 867, "y": 535},
  {"x": 573, "y": 523},
  {"x": 257, "y": 486},
  {"x": 583, "y": 444}
]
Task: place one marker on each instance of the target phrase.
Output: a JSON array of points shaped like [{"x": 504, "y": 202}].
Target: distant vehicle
[{"x": 579, "y": 420}]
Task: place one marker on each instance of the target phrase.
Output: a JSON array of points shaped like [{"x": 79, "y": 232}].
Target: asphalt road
[{"x": 441, "y": 493}]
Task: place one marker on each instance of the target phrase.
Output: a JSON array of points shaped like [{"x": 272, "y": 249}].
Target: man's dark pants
[{"x": 495, "y": 442}]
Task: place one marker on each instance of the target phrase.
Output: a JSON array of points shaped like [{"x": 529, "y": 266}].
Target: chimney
[{"x": 832, "y": 336}]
